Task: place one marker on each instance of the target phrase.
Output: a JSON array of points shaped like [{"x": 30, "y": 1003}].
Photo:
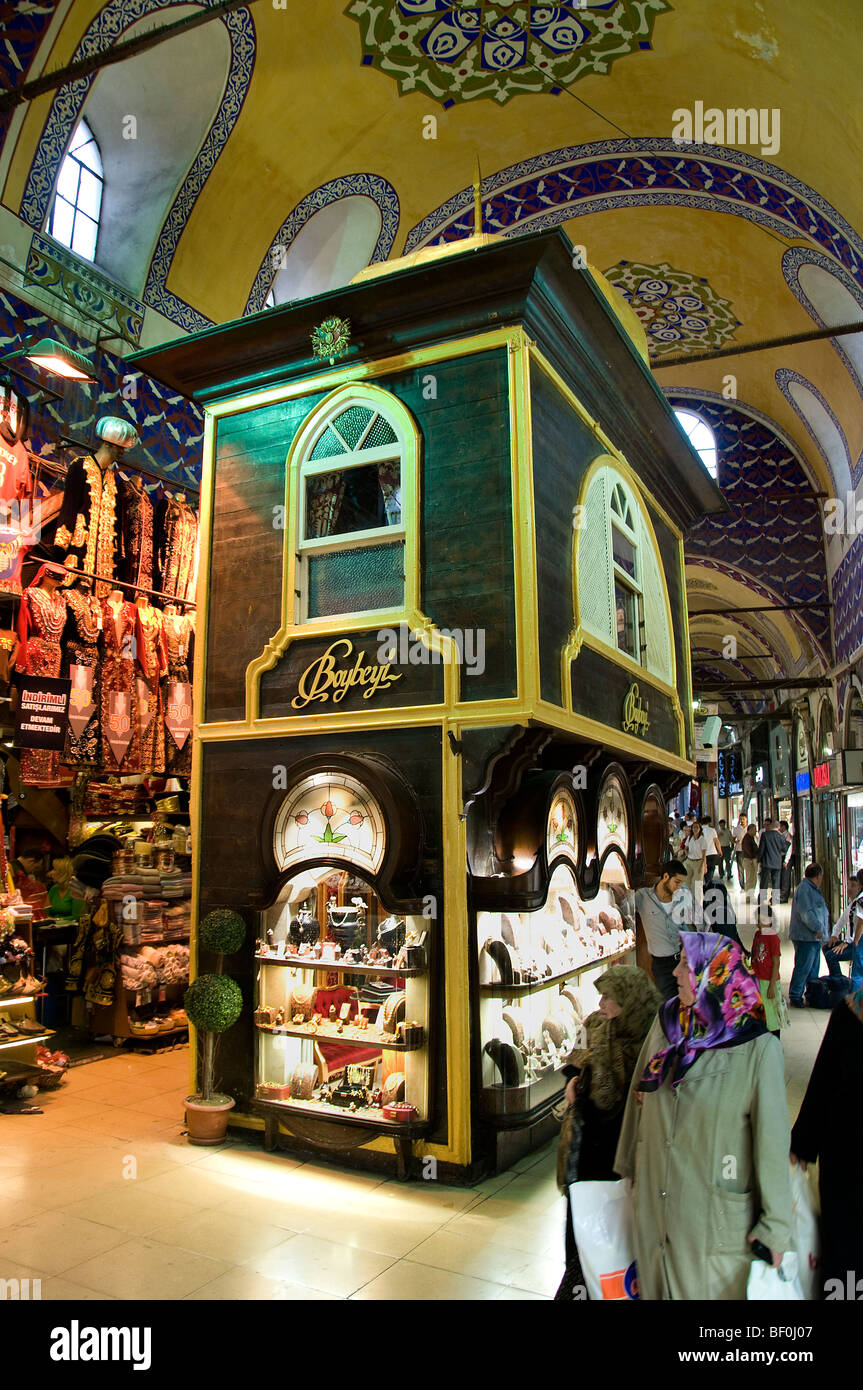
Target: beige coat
[{"x": 710, "y": 1164}]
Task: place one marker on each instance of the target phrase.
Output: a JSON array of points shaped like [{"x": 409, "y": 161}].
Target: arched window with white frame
[
  {"x": 77, "y": 206},
  {"x": 356, "y": 472},
  {"x": 621, "y": 597}
]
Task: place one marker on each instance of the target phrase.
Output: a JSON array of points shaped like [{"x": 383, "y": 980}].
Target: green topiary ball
[
  {"x": 222, "y": 932},
  {"x": 213, "y": 1003}
]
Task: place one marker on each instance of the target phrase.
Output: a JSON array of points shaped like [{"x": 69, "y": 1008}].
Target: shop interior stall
[{"x": 98, "y": 571}]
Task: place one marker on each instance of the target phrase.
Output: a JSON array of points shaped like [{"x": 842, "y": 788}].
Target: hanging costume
[
  {"x": 81, "y": 665},
  {"x": 153, "y": 664},
  {"x": 41, "y": 619},
  {"x": 137, "y": 568},
  {"x": 121, "y": 735}
]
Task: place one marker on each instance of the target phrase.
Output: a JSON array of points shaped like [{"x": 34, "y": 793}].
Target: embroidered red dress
[
  {"x": 153, "y": 664},
  {"x": 121, "y": 735},
  {"x": 81, "y": 655},
  {"x": 41, "y": 619}
]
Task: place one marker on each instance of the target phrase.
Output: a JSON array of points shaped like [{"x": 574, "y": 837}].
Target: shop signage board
[
  {"x": 356, "y": 671},
  {"x": 802, "y": 783},
  {"x": 821, "y": 776},
  {"x": 729, "y": 774},
  {"x": 43, "y": 712},
  {"x": 635, "y": 713}
]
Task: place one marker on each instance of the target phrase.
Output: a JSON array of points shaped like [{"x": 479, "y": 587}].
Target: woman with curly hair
[{"x": 705, "y": 1135}]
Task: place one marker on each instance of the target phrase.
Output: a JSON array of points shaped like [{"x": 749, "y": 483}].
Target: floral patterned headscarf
[{"x": 727, "y": 1009}]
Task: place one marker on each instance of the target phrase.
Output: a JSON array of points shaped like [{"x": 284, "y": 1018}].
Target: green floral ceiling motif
[
  {"x": 679, "y": 311},
  {"x": 455, "y": 51}
]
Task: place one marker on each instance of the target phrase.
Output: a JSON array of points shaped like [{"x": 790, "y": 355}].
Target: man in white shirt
[
  {"x": 737, "y": 834},
  {"x": 664, "y": 909},
  {"x": 714, "y": 848},
  {"x": 846, "y": 940}
]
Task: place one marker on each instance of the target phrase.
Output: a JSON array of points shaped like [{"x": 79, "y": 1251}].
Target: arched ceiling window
[
  {"x": 74, "y": 216},
  {"x": 700, "y": 436}
]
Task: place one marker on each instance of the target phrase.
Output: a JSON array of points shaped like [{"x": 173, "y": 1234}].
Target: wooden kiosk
[{"x": 442, "y": 684}]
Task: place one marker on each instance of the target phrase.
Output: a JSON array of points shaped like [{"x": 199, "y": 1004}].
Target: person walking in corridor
[
  {"x": 695, "y": 858},
  {"x": 809, "y": 930},
  {"x": 772, "y": 849}
]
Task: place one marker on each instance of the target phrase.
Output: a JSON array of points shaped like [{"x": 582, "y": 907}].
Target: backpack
[{"x": 817, "y": 995}]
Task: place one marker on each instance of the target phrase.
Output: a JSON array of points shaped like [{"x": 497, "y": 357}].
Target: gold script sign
[
  {"x": 323, "y": 679},
  {"x": 635, "y": 720}
]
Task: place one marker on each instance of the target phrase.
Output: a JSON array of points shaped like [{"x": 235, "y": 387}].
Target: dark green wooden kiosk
[{"x": 442, "y": 685}]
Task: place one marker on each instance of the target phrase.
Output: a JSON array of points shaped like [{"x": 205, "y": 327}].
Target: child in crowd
[{"x": 765, "y": 965}]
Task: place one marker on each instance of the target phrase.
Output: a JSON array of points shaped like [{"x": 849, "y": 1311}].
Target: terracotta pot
[{"x": 207, "y": 1124}]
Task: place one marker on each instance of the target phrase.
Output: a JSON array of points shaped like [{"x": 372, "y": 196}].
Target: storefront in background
[
  {"x": 804, "y": 835},
  {"x": 444, "y": 690}
]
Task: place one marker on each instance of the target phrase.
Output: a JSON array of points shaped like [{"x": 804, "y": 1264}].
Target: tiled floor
[{"x": 102, "y": 1198}]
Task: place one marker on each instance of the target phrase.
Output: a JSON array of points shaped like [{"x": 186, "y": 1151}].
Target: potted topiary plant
[{"x": 213, "y": 1003}]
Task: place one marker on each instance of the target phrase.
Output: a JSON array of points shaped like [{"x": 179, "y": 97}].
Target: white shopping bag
[
  {"x": 805, "y": 1233},
  {"x": 781, "y": 1285},
  {"x": 602, "y": 1223}
]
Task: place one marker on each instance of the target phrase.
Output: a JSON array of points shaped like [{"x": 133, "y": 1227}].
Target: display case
[
  {"x": 342, "y": 1005},
  {"x": 536, "y": 986}
]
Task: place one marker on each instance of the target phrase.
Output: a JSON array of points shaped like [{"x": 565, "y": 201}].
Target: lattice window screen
[
  {"x": 595, "y": 588},
  {"x": 657, "y": 633}
]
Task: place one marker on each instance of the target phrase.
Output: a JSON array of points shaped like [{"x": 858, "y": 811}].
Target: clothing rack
[{"x": 124, "y": 584}]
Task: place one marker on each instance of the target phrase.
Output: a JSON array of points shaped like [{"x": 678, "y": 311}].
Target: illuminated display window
[
  {"x": 612, "y": 827},
  {"x": 562, "y": 829}
]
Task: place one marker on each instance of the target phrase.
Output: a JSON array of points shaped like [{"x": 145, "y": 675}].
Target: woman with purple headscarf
[{"x": 705, "y": 1134}]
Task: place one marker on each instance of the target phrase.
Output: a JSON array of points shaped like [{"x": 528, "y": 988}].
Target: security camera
[{"x": 710, "y": 732}]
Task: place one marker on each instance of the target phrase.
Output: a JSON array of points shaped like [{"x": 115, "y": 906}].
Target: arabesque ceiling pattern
[{"x": 571, "y": 110}]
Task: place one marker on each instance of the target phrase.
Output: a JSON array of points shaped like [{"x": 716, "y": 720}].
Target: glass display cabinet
[
  {"x": 536, "y": 983},
  {"x": 342, "y": 1008}
]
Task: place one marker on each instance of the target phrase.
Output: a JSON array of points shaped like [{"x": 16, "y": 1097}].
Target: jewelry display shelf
[
  {"x": 501, "y": 991},
  {"x": 360, "y": 1037},
  {"x": 305, "y": 963}
]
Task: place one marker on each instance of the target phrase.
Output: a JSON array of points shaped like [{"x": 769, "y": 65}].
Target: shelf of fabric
[
  {"x": 501, "y": 991},
  {"x": 304, "y": 963},
  {"x": 358, "y": 1037}
]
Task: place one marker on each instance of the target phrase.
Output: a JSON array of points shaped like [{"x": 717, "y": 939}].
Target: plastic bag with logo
[
  {"x": 603, "y": 1227},
  {"x": 770, "y": 1285}
]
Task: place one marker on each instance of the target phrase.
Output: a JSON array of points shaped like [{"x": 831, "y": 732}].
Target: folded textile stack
[
  {"x": 176, "y": 884},
  {"x": 177, "y": 921},
  {"x": 138, "y": 972},
  {"x": 152, "y": 927}
]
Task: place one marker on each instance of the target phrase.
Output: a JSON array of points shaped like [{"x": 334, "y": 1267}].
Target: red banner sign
[
  {"x": 822, "y": 775},
  {"x": 81, "y": 704},
  {"x": 119, "y": 724},
  {"x": 178, "y": 711}
]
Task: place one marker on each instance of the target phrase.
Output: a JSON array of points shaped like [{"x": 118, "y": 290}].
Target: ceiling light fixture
[{"x": 63, "y": 361}]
